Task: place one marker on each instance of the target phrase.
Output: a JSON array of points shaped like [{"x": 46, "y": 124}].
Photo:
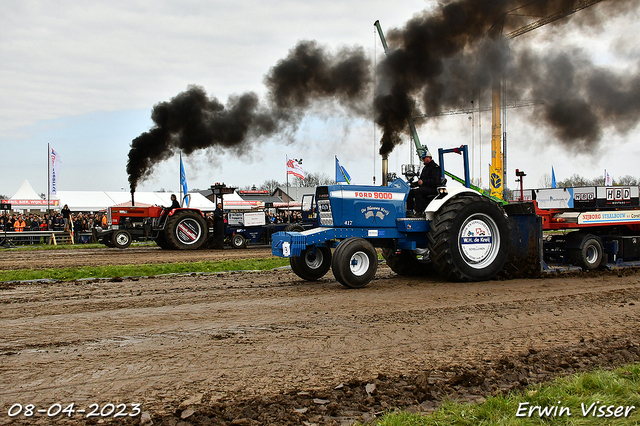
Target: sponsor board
[
  {"x": 554, "y": 198},
  {"x": 616, "y": 196},
  {"x": 246, "y": 219},
  {"x": 609, "y": 217},
  {"x": 584, "y": 197}
]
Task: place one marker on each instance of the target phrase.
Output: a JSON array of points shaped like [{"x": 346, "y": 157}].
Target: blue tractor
[{"x": 464, "y": 235}]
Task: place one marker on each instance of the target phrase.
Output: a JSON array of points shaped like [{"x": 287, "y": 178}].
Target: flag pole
[
  {"x": 49, "y": 179},
  {"x": 286, "y": 162}
]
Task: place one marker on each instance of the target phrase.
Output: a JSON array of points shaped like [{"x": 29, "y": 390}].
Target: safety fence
[{"x": 44, "y": 237}]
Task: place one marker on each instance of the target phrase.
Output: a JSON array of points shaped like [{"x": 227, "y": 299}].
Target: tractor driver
[
  {"x": 427, "y": 184},
  {"x": 174, "y": 202}
]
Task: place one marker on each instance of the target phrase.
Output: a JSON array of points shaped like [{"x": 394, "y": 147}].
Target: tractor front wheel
[
  {"x": 121, "y": 239},
  {"x": 355, "y": 262},
  {"x": 312, "y": 264}
]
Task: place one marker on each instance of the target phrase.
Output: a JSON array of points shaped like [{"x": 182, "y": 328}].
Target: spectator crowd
[
  {"x": 77, "y": 223},
  {"x": 284, "y": 217}
]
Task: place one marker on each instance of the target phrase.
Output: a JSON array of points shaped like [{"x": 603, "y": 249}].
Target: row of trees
[
  {"x": 315, "y": 179},
  {"x": 576, "y": 180},
  {"x": 311, "y": 180}
]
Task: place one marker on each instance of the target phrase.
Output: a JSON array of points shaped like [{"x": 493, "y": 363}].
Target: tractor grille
[{"x": 324, "y": 212}]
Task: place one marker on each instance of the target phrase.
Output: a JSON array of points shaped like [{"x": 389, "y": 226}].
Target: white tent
[
  {"x": 93, "y": 201},
  {"x": 28, "y": 199},
  {"x": 235, "y": 202}
]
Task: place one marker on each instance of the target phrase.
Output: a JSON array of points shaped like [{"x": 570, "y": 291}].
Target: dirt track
[
  {"x": 267, "y": 348},
  {"x": 19, "y": 259}
]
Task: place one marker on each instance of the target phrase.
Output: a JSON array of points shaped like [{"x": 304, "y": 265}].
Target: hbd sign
[{"x": 618, "y": 194}]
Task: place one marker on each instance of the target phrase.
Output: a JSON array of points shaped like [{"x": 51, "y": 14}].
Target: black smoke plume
[
  {"x": 192, "y": 120},
  {"x": 446, "y": 58},
  {"x": 440, "y": 60}
]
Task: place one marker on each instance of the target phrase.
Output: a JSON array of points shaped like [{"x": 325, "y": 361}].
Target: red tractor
[{"x": 173, "y": 229}]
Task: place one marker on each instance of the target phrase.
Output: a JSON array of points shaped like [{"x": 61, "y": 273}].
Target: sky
[{"x": 84, "y": 76}]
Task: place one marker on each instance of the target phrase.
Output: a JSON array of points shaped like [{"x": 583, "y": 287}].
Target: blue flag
[
  {"x": 183, "y": 182},
  {"x": 341, "y": 173},
  {"x": 553, "y": 178}
]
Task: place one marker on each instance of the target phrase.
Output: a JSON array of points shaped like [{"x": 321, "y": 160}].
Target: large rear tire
[
  {"x": 161, "y": 241},
  {"x": 312, "y": 265},
  {"x": 409, "y": 263},
  {"x": 185, "y": 230},
  {"x": 355, "y": 262},
  {"x": 469, "y": 239}
]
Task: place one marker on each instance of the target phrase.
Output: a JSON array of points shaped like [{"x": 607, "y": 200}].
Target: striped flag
[{"x": 294, "y": 168}]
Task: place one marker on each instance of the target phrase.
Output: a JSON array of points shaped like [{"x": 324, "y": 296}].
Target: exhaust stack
[
  {"x": 385, "y": 170},
  {"x": 133, "y": 203}
]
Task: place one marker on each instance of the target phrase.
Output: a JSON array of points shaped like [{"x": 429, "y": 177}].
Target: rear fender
[
  {"x": 174, "y": 211},
  {"x": 437, "y": 203}
]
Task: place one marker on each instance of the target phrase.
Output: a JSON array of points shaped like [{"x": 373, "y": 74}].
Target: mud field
[
  {"x": 18, "y": 259},
  {"x": 268, "y": 348}
]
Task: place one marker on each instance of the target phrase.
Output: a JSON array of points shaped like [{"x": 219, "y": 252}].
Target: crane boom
[
  {"x": 581, "y": 4},
  {"x": 497, "y": 171}
]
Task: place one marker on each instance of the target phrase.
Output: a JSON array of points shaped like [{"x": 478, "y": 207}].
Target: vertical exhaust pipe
[
  {"x": 133, "y": 203},
  {"x": 385, "y": 169}
]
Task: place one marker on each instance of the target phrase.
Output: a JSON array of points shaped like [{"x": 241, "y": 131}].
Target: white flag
[
  {"x": 54, "y": 170},
  {"x": 294, "y": 168},
  {"x": 608, "y": 180}
]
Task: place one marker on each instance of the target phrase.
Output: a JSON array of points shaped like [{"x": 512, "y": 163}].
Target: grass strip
[
  {"x": 148, "y": 269},
  {"x": 590, "y": 398}
]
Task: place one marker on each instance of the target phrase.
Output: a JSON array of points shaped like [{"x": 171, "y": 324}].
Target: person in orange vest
[
  {"x": 19, "y": 224},
  {"x": 104, "y": 222}
]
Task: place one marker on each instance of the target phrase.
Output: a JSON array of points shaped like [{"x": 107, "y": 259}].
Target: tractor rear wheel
[
  {"x": 121, "y": 239},
  {"x": 185, "y": 230},
  {"x": 469, "y": 239},
  {"x": 409, "y": 262},
  {"x": 355, "y": 262},
  {"x": 161, "y": 241},
  {"x": 312, "y": 264}
]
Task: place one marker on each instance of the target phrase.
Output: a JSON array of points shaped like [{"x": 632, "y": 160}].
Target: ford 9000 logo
[{"x": 374, "y": 213}]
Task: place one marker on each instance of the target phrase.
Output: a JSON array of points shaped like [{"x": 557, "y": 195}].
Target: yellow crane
[{"x": 497, "y": 172}]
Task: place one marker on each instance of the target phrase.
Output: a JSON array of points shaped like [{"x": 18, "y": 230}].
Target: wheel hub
[
  {"x": 479, "y": 240},
  {"x": 188, "y": 231},
  {"x": 313, "y": 260},
  {"x": 359, "y": 263}
]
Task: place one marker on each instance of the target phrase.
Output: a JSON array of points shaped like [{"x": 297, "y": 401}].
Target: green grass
[
  {"x": 620, "y": 387},
  {"x": 67, "y": 274}
]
